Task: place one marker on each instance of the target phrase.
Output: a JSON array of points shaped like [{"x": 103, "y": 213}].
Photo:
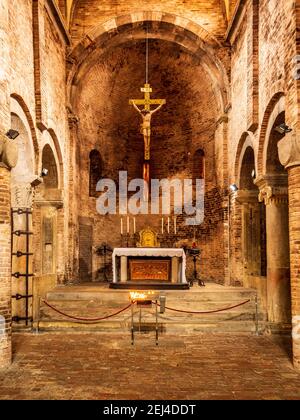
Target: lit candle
[
  {"x": 175, "y": 225},
  {"x": 162, "y": 226},
  {"x": 168, "y": 224},
  {"x": 128, "y": 225},
  {"x": 121, "y": 225}
]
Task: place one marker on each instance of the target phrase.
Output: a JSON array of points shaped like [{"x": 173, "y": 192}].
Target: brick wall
[
  {"x": 5, "y": 269},
  {"x": 294, "y": 202}
]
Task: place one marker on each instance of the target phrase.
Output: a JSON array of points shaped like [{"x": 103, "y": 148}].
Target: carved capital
[
  {"x": 22, "y": 196},
  {"x": 8, "y": 152},
  {"x": 73, "y": 120},
  {"x": 289, "y": 151},
  {"x": 273, "y": 189}
]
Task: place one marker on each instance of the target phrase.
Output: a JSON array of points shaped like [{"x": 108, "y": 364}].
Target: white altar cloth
[{"x": 149, "y": 252}]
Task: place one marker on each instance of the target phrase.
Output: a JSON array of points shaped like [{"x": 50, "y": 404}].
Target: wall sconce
[
  {"x": 12, "y": 134},
  {"x": 233, "y": 188},
  {"x": 283, "y": 129}
]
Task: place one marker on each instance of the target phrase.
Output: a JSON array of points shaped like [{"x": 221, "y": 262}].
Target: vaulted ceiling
[{"x": 214, "y": 15}]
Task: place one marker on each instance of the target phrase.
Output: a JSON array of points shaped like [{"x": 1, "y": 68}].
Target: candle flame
[{"x": 141, "y": 295}]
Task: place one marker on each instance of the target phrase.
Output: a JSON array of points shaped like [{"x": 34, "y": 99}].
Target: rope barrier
[
  {"x": 205, "y": 312},
  {"x": 76, "y": 318},
  {"x": 86, "y": 319}
]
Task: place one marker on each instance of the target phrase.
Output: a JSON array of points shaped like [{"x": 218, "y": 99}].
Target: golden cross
[{"x": 147, "y": 101}]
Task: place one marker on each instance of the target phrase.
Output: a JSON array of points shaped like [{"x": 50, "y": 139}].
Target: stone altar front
[{"x": 128, "y": 262}]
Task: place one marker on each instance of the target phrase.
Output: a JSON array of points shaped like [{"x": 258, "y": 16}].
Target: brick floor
[{"x": 106, "y": 366}]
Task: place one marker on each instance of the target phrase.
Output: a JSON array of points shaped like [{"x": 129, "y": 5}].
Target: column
[
  {"x": 73, "y": 200},
  {"x": 294, "y": 197},
  {"x": 175, "y": 267},
  {"x": 22, "y": 199},
  {"x": 124, "y": 268},
  {"x": 8, "y": 159},
  {"x": 274, "y": 193},
  {"x": 5, "y": 268},
  {"x": 289, "y": 155},
  {"x": 251, "y": 232}
]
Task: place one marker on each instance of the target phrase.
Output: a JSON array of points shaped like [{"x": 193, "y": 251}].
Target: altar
[{"x": 157, "y": 268}]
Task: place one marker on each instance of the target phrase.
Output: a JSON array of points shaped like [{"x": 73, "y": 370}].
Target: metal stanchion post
[
  {"x": 256, "y": 316},
  {"x": 132, "y": 325},
  {"x": 140, "y": 319},
  {"x": 156, "y": 327},
  {"x": 37, "y": 330}
]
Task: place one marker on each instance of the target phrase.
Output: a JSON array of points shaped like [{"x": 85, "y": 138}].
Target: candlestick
[
  {"x": 134, "y": 225},
  {"x": 162, "y": 226},
  {"x": 128, "y": 225}
]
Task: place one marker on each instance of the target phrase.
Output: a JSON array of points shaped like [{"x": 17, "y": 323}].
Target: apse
[{"x": 182, "y": 136}]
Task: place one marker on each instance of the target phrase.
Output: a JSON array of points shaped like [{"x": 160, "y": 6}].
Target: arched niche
[
  {"x": 247, "y": 173},
  {"x": 49, "y": 163},
  {"x": 25, "y": 168},
  {"x": 272, "y": 164}
]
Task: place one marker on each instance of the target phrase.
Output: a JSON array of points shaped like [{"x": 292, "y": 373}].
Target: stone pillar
[
  {"x": 124, "y": 269},
  {"x": 251, "y": 232},
  {"x": 274, "y": 193},
  {"x": 235, "y": 264},
  {"x": 73, "y": 200},
  {"x": 175, "y": 267},
  {"x": 21, "y": 198},
  {"x": 289, "y": 154},
  {"x": 5, "y": 268},
  {"x": 8, "y": 159}
]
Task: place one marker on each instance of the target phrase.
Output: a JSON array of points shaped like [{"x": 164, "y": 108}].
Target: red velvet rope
[
  {"x": 86, "y": 319},
  {"x": 208, "y": 312},
  {"x": 155, "y": 303}
]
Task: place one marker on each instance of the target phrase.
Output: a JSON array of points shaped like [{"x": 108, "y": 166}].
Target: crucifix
[{"x": 146, "y": 112}]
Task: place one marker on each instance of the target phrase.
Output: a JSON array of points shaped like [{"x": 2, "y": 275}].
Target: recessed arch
[
  {"x": 275, "y": 107},
  {"x": 272, "y": 163},
  {"x": 24, "y": 171},
  {"x": 50, "y": 138},
  {"x": 246, "y": 141},
  {"x": 246, "y": 176},
  {"x": 51, "y": 181},
  {"x": 19, "y": 107}
]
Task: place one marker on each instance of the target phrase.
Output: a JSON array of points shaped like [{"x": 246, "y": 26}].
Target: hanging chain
[{"x": 147, "y": 56}]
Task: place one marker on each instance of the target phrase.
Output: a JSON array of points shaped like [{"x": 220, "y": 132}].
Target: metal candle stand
[
  {"x": 195, "y": 253},
  {"x": 146, "y": 302},
  {"x": 103, "y": 250}
]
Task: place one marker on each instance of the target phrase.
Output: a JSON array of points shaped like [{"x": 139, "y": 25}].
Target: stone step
[
  {"x": 124, "y": 296},
  {"x": 93, "y": 302},
  {"x": 183, "y": 327},
  {"x": 97, "y": 309}
]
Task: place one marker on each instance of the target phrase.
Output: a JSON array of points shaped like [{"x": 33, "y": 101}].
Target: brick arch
[
  {"x": 182, "y": 31},
  {"x": 31, "y": 125},
  {"x": 266, "y": 125},
  {"x": 246, "y": 141}
]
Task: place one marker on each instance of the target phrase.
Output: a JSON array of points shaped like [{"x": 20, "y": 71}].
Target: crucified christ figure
[{"x": 146, "y": 126}]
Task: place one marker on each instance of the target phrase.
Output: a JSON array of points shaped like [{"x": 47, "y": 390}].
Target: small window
[
  {"x": 95, "y": 171},
  {"x": 199, "y": 165}
]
